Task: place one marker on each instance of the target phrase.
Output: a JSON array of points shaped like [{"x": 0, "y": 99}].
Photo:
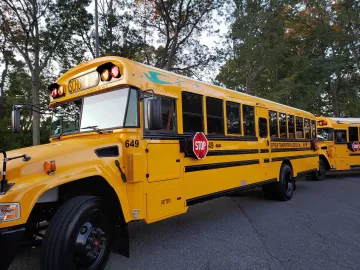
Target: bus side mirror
[
  {"x": 154, "y": 114},
  {"x": 15, "y": 120}
]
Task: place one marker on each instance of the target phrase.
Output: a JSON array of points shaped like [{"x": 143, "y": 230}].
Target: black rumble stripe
[
  {"x": 232, "y": 152},
  {"x": 277, "y": 150},
  {"x": 212, "y": 166},
  {"x": 266, "y": 160},
  {"x": 293, "y": 157},
  {"x": 264, "y": 150},
  {"x": 355, "y": 155}
]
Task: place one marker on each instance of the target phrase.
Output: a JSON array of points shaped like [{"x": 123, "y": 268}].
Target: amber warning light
[{"x": 50, "y": 167}]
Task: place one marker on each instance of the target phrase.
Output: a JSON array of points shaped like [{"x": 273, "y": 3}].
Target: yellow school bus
[
  {"x": 338, "y": 142},
  {"x": 131, "y": 142}
]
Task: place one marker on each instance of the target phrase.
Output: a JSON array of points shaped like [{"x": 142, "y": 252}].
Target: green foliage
[{"x": 300, "y": 55}]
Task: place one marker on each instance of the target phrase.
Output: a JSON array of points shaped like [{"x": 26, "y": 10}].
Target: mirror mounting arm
[{"x": 143, "y": 93}]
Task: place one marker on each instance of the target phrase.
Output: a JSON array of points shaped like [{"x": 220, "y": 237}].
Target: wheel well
[
  {"x": 93, "y": 186},
  {"x": 326, "y": 161}
]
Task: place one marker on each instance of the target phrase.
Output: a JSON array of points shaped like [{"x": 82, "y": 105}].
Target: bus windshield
[
  {"x": 103, "y": 111},
  {"x": 325, "y": 134}
]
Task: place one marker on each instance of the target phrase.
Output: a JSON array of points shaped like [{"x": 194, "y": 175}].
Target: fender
[{"x": 28, "y": 190}]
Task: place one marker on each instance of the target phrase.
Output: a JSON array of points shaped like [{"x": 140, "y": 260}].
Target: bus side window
[
  {"x": 233, "y": 117},
  {"x": 273, "y": 124},
  {"x": 249, "y": 120},
  {"x": 192, "y": 108},
  {"x": 299, "y": 128},
  {"x": 340, "y": 136},
  {"x": 283, "y": 129},
  {"x": 214, "y": 116},
  {"x": 313, "y": 129},
  {"x": 291, "y": 126},
  {"x": 132, "y": 116},
  {"x": 353, "y": 134},
  {"x": 263, "y": 132},
  {"x": 307, "y": 128}
]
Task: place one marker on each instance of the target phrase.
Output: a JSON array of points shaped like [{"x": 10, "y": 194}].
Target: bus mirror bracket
[
  {"x": 15, "y": 114},
  {"x": 144, "y": 93}
]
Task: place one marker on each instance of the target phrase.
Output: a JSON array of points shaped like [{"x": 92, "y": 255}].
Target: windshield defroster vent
[{"x": 109, "y": 151}]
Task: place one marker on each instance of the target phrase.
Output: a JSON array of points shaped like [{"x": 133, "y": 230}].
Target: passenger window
[
  {"x": 263, "y": 128},
  {"x": 299, "y": 128},
  {"x": 132, "y": 110},
  {"x": 273, "y": 124},
  {"x": 307, "y": 128},
  {"x": 313, "y": 129},
  {"x": 192, "y": 107},
  {"x": 353, "y": 134},
  {"x": 249, "y": 120},
  {"x": 214, "y": 116},
  {"x": 291, "y": 126},
  {"x": 283, "y": 129},
  {"x": 340, "y": 136},
  {"x": 167, "y": 114},
  {"x": 233, "y": 118}
]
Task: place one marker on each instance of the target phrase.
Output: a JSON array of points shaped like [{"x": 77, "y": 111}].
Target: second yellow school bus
[
  {"x": 338, "y": 142},
  {"x": 130, "y": 142}
]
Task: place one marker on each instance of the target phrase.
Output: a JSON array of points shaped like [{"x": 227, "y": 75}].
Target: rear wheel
[
  {"x": 77, "y": 237},
  {"x": 320, "y": 174},
  {"x": 285, "y": 187}
]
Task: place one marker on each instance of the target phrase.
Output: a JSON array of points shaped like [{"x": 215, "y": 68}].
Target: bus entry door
[
  {"x": 264, "y": 141},
  {"x": 163, "y": 161}
]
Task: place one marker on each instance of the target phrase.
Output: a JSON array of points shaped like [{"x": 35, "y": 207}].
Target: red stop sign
[
  {"x": 355, "y": 146},
  {"x": 200, "y": 145}
]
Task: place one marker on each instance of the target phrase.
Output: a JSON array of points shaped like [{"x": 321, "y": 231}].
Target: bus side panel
[
  {"x": 164, "y": 199},
  {"x": 230, "y": 164}
]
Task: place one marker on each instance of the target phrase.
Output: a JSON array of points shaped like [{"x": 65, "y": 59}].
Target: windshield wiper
[
  {"x": 95, "y": 128},
  {"x": 65, "y": 131}
]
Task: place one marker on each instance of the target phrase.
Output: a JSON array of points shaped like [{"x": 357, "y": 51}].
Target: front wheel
[
  {"x": 77, "y": 237},
  {"x": 320, "y": 174}
]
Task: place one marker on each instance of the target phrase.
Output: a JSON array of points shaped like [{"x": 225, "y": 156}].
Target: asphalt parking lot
[{"x": 318, "y": 229}]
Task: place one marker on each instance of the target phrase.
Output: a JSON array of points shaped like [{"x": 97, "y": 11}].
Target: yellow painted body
[
  {"x": 340, "y": 156},
  {"x": 158, "y": 184}
]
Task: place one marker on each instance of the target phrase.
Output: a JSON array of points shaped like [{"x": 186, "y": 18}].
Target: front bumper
[{"x": 10, "y": 239}]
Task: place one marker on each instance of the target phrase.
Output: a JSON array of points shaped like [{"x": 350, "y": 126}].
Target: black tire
[
  {"x": 286, "y": 185},
  {"x": 320, "y": 174},
  {"x": 78, "y": 229}
]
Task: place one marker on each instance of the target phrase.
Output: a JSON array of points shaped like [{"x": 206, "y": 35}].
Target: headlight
[{"x": 9, "y": 211}]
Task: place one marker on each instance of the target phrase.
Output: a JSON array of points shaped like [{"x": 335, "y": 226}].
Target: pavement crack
[{"x": 260, "y": 235}]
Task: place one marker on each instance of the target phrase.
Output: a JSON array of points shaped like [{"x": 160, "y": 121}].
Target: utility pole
[{"x": 96, "y": 30}]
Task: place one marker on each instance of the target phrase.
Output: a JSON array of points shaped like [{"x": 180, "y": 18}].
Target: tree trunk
[
  {"x": 2, "y": 86},
  {"x": 172, "y": 52},
  {"x": 36, "y": 101},
  {"x": 334, "y": 89}
]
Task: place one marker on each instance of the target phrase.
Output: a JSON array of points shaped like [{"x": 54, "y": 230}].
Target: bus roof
[
  {"x": 223, "y": 88},
  {"x": 145, "y": 80}
]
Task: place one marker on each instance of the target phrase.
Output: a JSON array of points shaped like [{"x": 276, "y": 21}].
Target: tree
[
  {"x": 38, "y": 29},
  {"x": 301, "y": 54},
  {"x": 178, "y": 25}
]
